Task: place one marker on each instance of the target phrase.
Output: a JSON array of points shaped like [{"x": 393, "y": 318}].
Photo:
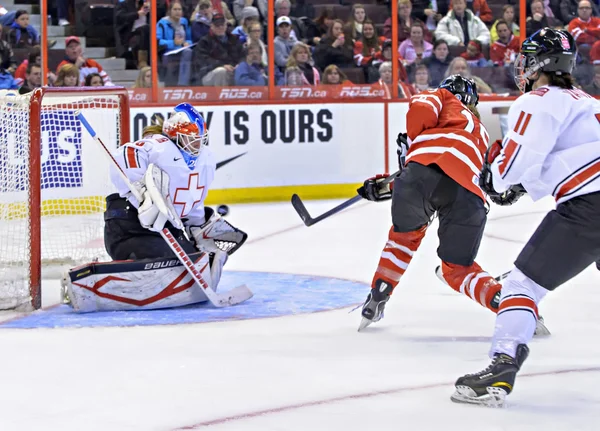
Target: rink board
[{"x": 275, "y": 295}]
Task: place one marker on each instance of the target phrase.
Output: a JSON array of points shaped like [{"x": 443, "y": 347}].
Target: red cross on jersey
[{"x": 187, "y": 198}]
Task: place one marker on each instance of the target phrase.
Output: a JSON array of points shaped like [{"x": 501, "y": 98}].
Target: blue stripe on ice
[{"x": 274, "y": 295}]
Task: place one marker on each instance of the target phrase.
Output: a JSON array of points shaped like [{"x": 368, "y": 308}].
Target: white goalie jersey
[
  {"x": 553, "y": 145},
  {"x": 190, "y": 177}
]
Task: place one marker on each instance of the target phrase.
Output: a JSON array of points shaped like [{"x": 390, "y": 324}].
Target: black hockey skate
[
  {"x": 490, "y": 386},
  {"x": 372, "y": 310}
]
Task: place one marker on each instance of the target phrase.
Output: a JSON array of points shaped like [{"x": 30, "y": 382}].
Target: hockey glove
[
  {"x": 374, "y": 190},
  {"x": 508, "y": 197},
  {"x": 402, "y": 142},
  {"x": 217, "y": 234}
]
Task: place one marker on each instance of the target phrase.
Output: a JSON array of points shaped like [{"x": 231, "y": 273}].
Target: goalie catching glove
[
  {"x": 217, "y": 234},
  {"x": 507, "y": 197},
  {"x": 375, "y": 189}
]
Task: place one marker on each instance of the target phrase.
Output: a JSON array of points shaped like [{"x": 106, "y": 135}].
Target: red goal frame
[{"x": 35, "y": 169}]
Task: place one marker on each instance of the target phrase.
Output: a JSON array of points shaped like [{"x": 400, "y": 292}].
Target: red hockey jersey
[{"x": 443, "y": 131}]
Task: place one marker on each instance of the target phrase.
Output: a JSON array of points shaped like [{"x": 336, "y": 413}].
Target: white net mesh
[{"x": 74, "y": 184}]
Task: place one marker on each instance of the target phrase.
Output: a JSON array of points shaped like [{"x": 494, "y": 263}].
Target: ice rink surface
[{"x": 314, "y": 371}]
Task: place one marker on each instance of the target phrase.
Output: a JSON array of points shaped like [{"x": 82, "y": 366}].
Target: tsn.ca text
[
  {"x": 301, "y": 93},
  {"x": 183, "y": 94}
]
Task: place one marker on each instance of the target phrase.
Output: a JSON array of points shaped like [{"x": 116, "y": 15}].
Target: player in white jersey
[
  {"x": 552, "y": 148},
  {"x": 185, "y": 168}
]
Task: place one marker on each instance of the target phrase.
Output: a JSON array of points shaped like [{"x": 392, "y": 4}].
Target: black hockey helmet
[
  {"x": 547, "y": 50},
  {"x": 463, "y": 88}
]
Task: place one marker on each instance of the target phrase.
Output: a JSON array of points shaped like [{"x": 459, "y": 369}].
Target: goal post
[{"x": 53, "y": 184}]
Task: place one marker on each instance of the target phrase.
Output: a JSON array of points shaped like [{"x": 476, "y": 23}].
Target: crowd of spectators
[{"x": 224, "y": 43}]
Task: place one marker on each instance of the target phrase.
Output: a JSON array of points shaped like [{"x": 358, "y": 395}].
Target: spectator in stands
[
  {"x": 33, "y": 78},
  {"x": 35, "y": 57},
  {"x": 335, "y": 48},
  {"x": 21, "y": 34},
  {"x": 68, "y": 76},
  {"x": 421, "y": 81},
  {"x": 217, "y": 54},
  {"x": 201, "y": 23},
  {"x": 461, "y": 26},
  {"x": 358, "y": 15},
  {"x": 593, "y": 89},
  {"x": 481, "y": 9},
  {"x": 7, "y": 62},
  {"x": 387, "y": 56},
  {"x": 85, "y": 66},
  {"x": 538, "y": 19},
  {"x": 585, "y": 28},
  {"x": 368, "y": 52},
  {"x": 438, "y": 63},
  {"x": 504, "y": 51},
  {"x": 300, "y": 58},
  {"x": 94, "y": 80},
  {"x": 459, "y": 66},
  {"x": 434, "y": 13},
  {"x": 255, "y": 36},
  {"x": 333, "y": 75},
  {"x": 251, "y": 71},
  {"x": 131, "y": 23},
  {"x": 508, "y": 16},
  {"x": 323, "y": 23},
  {"x": 569, "y": 10},
  {"x": 217, "y": 6},
  {"x": 385, "y": 82},
  {"x": 284, "y": 41},
  {"x": 174, "y": 33},
  {"x": 249, "y": 16},
  {"x": 282, "y": 9},
  {"x": 474, "y": 56},
  {"x": 261, "y": 5},
  {"x": 415, "y": 48},
  {"x": 405, "y": 22},
  {"x": 144, "y": 78}
]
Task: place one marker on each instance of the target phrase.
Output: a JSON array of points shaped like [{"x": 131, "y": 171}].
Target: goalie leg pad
[{"x": 139, "y": 285}]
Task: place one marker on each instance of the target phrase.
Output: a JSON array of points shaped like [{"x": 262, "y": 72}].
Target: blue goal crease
[{"x": 275, "y": 295}]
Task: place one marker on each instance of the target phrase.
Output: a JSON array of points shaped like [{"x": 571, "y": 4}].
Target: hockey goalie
[{"x": 171, "y": 167}]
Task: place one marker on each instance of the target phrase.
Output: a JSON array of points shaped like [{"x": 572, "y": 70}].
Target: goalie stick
[
  {"x": 234, "y": 296},
  {"x": 309, "y": 221}
]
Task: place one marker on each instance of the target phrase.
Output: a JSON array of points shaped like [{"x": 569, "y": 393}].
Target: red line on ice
[{"x": 250, "y": 415}]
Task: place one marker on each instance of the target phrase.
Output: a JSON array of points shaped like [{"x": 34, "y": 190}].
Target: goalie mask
[
  {"x": 187, "y": 129},
  {"x": 546, "y": 50}
]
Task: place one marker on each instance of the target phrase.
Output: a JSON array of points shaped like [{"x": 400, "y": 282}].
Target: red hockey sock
[
  {"x": 472, "y": 281},
  {"x": 397, "y": 254}
]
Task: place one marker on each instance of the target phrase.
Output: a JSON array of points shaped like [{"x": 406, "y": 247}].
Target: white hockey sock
[{"x": 517, "y": 314}]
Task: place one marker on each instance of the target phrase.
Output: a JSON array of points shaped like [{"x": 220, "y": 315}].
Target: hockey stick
[
  {"x": 309, "y": 221},
  {"x": 234, "y": 296}
]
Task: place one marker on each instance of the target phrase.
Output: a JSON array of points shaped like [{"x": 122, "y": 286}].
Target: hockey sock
[
  {"x": 474, "y": 282},
  {"x": 396, "y": 255}
]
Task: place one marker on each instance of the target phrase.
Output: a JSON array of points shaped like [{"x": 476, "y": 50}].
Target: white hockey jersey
[
  {"x": 189, "y": 181},
  {"x": 553, "y": 145}
]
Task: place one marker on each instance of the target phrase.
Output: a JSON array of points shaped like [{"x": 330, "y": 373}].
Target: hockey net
[{"x": 53, "y": 184}]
